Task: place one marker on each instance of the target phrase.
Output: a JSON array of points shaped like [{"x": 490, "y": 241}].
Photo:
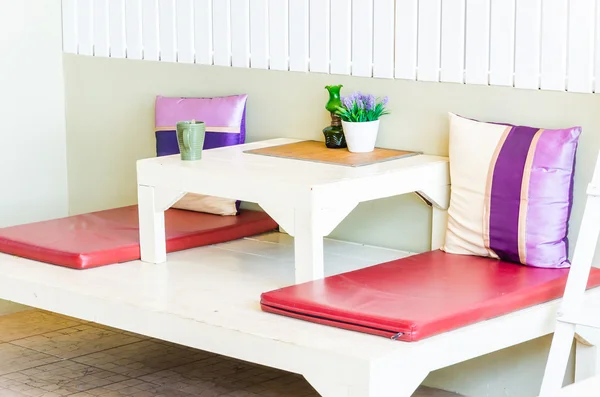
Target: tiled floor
[{"x": 47, "y": 355}]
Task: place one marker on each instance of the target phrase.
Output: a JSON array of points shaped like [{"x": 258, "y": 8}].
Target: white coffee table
[{"x": 307, "y": 199}]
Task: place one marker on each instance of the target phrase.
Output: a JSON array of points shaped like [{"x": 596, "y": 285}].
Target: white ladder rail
[{"x": 572, "y": 311}]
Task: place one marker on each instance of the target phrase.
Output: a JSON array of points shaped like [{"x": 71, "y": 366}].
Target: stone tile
[
  {"x": 9, "y": 393},
  {"x": 142, "y": 358},
  {"x": 31, "y": 322},
  {"x": 76, "y": 341},
  {"x": 61, "y": 378},
  {"x": 15, "y": 358},
  {"x": 217, "y": 376},
  {"x": 136, "y": 388}
]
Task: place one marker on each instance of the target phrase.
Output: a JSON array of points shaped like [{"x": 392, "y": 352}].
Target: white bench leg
[
  {"x": 152, "y": 203},
  {"x": 308, "y": 246},
  {"x": 152, "y": 227},
  {"x": 378, "y": 381}
]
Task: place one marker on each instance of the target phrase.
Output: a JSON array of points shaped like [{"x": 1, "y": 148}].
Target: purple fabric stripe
[
  {"x": 551, "y": 192},
  {"x": 506, "y": 193}
]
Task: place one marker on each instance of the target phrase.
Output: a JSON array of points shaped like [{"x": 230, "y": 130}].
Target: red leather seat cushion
[
  {"x": 111, "y": 236},
  {"x": 421, "y": 295}
]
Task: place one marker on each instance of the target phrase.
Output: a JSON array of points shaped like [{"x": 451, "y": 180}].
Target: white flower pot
[{"x": 361, "y": 137}]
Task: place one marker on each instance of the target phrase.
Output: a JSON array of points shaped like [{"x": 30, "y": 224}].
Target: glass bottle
[{"x": 334, "y": 134}]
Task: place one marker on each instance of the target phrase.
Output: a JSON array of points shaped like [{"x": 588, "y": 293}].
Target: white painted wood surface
[
  {"x": 406, "y": 43},
  {"x": 150, "y": 37},
  {"x": 278, "y": 35},
  {"x": 362, "y": 37},
  {"x": 502, "y": 42},
  {"x": 477, "y": 57},
  {"x": 184, "y": 18},
  {"x": 453, "y": 41},
  {"x": 575, "y": 310},
  {"x": 299, "y": 35},
  {"x": 240, "y": 33},
  {"x": 529, "y": 44},
  {"x": 221, "y": 23},
  {"x": 383, "y": 39},
  {"x": 308, "y": 194},
  {"x": 186, "y": 304},
  {"x": 553, "y": 66},
  {"x": 341, "y": 52},
  {"x": 319, "y": 35},
  {"x": 116, "y": 28},
  {"x": 429, "y": 40},
  {"x": 133, "y": 25},
  {"x": 101, "y": 36},
  {"x": 259, "y": 34}
]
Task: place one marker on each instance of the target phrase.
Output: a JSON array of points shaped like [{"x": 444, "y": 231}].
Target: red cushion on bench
[
  {"x": 421, "y": 295},
  {"x": 111, "y": 236}
]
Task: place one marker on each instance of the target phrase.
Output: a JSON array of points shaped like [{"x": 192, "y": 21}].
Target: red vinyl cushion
[
  {"x": 421, "y": 295},
  {"x": 111, "y": 236}
]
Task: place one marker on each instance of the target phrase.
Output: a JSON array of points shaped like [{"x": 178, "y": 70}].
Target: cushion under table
[
  {"x": 421, "y": 295},
  {"x": 112, "y": 236}
]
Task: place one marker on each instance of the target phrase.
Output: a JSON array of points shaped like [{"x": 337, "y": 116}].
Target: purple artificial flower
[
  {"x": 369, "y": 102},
  {"x": 385, "y": 100},
  {"x": 347, "y": 102}
]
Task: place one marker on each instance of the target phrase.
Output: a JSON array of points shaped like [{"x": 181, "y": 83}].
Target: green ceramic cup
[{"x": 190, "y": 137}]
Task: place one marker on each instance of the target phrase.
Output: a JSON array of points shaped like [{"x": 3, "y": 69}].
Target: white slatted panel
[
  {"x": 133, "y": 29},
  {"x": 116, "y": 28},
  {"x": 85, "y": 26},
  {"x": 222, "y": 32},
  {"x": 428, "y": 54},
  {"x": 150, "y": 37},
  {"x": 597, "y": 51},
  {"x": 502, "y": 42},
  {"x": 185, "y": 30},
  {"x": 341, "y": 24},
  {"x": 240, "y": 33},
  {"x": 453, "y": 41},
  {"x": 553, "y": 66},
  {"x": 166, "y": 30},
  {"x": 259, "y": 34},
  {"x": 547, "y": 44},
  {"x": 383, "y": 39},
  {"x": 527, "y": 43},
  {"x": 581, "y": 46},
  {"x": 319, "y": 36},
  {"x": 278, "y": 34},
  {"x": 405, "y": 57},
  {"x": 69, "y": 26},
  {"x": 101, "y": 35},
  {"x": 299, "y": 35},
  {"x": 203, "y": 41},
  {"x": 362, "y": 38},
  {"x": 477, "y": 59}
]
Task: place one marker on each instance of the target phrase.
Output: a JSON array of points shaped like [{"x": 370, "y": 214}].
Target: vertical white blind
[{"x": 530, "y": 44}]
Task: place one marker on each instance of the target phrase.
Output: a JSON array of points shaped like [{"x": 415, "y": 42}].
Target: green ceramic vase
[{"x": 190, "y": 138}]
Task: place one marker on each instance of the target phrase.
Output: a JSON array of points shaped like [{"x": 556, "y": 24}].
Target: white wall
[{"x": 33, "y": 180}]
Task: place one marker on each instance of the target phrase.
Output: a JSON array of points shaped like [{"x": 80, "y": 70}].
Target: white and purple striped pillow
[{"x": 512, "y": 191}]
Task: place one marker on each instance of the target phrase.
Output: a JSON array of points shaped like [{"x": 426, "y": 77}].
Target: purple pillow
[
  {"x": 512, "y": 191},
  {"x": 224, "y": 117},
  {"x": 225, "y": 120}
]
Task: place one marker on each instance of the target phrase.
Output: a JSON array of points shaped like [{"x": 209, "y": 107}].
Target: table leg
[
  {"x": 152, "y": 227},
  {"x": 308, "y": 246}
]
